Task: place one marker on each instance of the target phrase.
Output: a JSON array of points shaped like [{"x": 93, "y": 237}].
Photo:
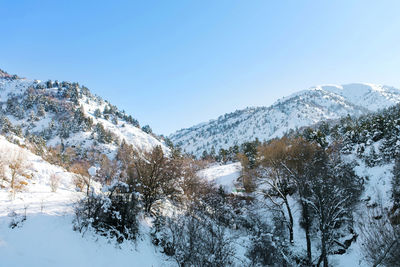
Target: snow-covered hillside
[
  {"x": 68, "y": 114},
  {"x": 38, "y": 196},
  {"x": 304, "y": 108}
]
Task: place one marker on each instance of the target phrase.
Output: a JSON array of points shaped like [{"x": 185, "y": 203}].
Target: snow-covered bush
[
  {"x": 201, "y": 233},
  {"x": 17, "y": 220},
  {"x": 111, "y": 213},
  {"x": 268, "y": 247},
  {"x": 193, "y": 239}
]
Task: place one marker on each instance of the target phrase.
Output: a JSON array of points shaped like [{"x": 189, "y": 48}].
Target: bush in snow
[
  {"x": 193, "y": 239},
  {"x": 18, "y": 175},
  {"x": 201, "y": 233},
  {"x": 17, "y": 220},
  {"x": 267, "y": 248},
  {"x": 54, "y": 182},
  {"x": 112, "y": 213}
]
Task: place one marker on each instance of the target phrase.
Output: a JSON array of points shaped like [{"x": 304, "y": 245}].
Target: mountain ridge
[{"x": 303, "y": 108}]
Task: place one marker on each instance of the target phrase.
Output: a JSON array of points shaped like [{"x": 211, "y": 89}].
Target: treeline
[{"x": 232, "y": 154}]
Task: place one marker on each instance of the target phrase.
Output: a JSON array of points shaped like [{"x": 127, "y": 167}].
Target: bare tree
[
  {"x": 82, "y": 178},
  {"x": 192, "y": 186},
  {"x": 326, "y": 188},
  {"x": 54, "y": 182},
  {"x": 3, "y": 178},
  {"x": 18, "y": 167},
  {"x": 248, "y": 174},
  {"x": 334, "y": 191},
  {"x": 380, "y": 237},
  {"x": 273, "y": 172},
  {"x": 298, "y": 166},
  {"x": 108, "y": 169},
  {"x": 193, "y": 239},
  {"x": 154, "y": 176}
]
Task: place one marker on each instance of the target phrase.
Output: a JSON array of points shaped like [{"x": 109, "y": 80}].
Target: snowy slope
[
  {"x": 46, "y": 238},
  {"x": 123, "y": 130},
  {"x": 21, "y": 99},
  {"x": 38, "y": 196},
  {"x": 48, "y": 241},
  {"x": 300, "y": 109},
  {"x": 224, "y": 175},
  {"x": 371, "y": 96}
]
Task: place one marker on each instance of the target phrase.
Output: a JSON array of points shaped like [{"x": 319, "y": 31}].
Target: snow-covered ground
[
  {"x": 224, "y": 175},
  {"x": 46, "y": 238}
]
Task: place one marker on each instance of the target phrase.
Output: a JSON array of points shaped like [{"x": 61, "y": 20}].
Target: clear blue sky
[{"x": 172, "y": 64}]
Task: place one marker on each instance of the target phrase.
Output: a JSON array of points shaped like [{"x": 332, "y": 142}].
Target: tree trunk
[
  {"x": 307, "y": 225},
  {"x": 12, "y": 181},
  {"x": 323, "y": 257},
  {"x": 381, "y": 258},
  {"x": 148, "y": 202},
  {"x": 308, "y": 241},
  {"x": 290, "y": 220}
]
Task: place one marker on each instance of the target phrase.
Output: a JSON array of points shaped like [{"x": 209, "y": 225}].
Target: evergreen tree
[
  {"x": 396, "y": 183},
  {"x": 41, "y": 111},
  {"x": 97, "y": 113},
  {"x": 147, "y": 129}
]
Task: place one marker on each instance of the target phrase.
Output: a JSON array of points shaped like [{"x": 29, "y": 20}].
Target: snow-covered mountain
[
  {"x": 301, "y": 109},
  {"x": 66, "y": 113}
]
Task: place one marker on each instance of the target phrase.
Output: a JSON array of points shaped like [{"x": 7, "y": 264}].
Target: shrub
[
  {"x": 112, "y": 213},
  {"x": 54, "y": 182},
  {"x": 194, "y": 239}
]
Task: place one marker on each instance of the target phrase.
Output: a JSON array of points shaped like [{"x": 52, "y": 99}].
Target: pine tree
[
  {"x": 97, "y": 113},
  {"x": 41, "y": 111},
  {"x": 147, "y": 129},
  {"x": 396, "y": 183}
]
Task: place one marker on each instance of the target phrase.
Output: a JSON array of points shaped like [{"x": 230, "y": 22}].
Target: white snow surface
[
  {"x": 305, "y": 108},
  {"x": 224, "y": 175}
]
